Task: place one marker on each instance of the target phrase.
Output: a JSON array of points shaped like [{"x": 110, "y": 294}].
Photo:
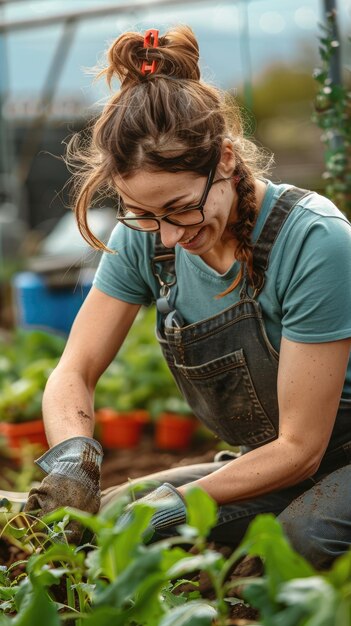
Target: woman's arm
[
  {"x": 310, "y": 382},
  {"x": 96, "y": 336}
]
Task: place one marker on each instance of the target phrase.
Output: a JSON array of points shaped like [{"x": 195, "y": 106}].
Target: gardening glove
[
  {"x": 171, "y": 508},
  {"x": 73, "y": 468}
]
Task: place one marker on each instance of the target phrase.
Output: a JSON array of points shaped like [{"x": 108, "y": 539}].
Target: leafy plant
[
  {"x": 25, "y": 472},
  {"x": 121, "y": 580},
  {"x": 333, "y": 115},
  {"x": 139, "y": 376},
  {"x": 25, "y": 364},
  {"x": 292, "y": 592}
]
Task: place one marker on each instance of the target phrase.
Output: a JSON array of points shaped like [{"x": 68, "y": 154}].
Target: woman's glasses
[{"x": 190, "y": 216}]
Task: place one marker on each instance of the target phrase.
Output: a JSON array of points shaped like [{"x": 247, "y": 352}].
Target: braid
[{"x": 246, "y": 218}]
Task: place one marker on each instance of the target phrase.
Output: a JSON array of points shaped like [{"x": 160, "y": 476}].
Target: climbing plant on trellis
[{"x": 333, "y": 115}]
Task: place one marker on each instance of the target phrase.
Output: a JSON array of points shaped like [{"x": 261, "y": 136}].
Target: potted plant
[
  {"x": 132, "y": 386},
  {"x": 175, "y": 425},
  {"x": 27, "y": 360},
  {"x": 120, "y": 429},
  {"x": 119, "y": 402}
]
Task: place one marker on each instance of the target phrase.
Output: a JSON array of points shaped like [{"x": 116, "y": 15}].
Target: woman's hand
[
  {"x": 73, "y": 468},
  {"x": 169, "y": 504}
]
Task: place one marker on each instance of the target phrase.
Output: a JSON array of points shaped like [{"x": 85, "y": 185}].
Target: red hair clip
[{"x": 150, "y": 41}]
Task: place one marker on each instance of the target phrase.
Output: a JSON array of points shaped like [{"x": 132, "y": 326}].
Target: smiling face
[{"x": 161, "y": 193}]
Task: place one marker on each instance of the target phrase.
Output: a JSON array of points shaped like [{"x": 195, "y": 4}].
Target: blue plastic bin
[{"x": 41, "y": 307}]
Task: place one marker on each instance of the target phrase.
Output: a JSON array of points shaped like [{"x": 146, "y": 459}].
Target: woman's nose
[{"x": 170, "y": 234}]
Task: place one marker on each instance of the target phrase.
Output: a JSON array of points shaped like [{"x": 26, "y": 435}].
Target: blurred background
[{"x": 263, "y": 52}]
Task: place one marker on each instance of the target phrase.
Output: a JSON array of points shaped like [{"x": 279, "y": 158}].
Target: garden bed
[{"x": 122, "y": 465}]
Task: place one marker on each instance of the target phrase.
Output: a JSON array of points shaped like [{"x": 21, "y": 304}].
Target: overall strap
[
  {"x": 270, "y": 231},
  {"x": 163, "y": 268},
  {"x": 163, "y": 261}
]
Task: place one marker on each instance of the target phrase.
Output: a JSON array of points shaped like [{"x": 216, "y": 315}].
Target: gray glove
[
  {"x": 171, "y": 508},
  {"x": 73, "y": 468}
]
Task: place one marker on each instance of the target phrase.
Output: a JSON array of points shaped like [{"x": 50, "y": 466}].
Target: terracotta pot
[
  {"x": 174, "y": 431},
  {"x": 26, "y": 432},
  {"x": 120, "y": 429}
]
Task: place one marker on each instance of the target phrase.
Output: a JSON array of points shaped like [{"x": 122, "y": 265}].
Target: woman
[{"x": 252, "y": 284}]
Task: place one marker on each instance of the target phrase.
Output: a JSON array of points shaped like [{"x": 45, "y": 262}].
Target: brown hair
[{"x": 168, "y": 120}]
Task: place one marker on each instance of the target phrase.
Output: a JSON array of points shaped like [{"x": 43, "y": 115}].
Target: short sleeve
[
  {"x": 316, "y": 306},
  {"x": 125, "y": 272}
]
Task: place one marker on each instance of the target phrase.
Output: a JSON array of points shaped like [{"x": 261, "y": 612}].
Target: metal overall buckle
[{"x": 162, "y": 301}]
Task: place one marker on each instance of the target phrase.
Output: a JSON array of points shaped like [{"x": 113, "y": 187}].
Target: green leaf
[
  {"x": 125, "y": 586},
  {"x": 7, "y": 593},
  {"x": 340, "y": 573},
  {"x": 118, "y": 547},
  {"x": 149, "y": 604},
  {"x": 16, "y": 532},
  {"x": 48, "y": 577},
  {"x": 37, "y": 609},
  {"x": 310, "y": 601},
  {"x": 169, "y": 557},
  {"x": 173, "y": 600},
  {"x": 202, "y": 510},
  {"x": 207, "y": 561},
  {"x": 105, "y": 616},
  {"x": 57, "y": 552},
  {"x": 265, "y": 538},
  {"x": 257, "y": 595},
  {"x": 190, "y": 614},
  {"x": 88, "y": 589},
  {"x": 93, "y": 522}
]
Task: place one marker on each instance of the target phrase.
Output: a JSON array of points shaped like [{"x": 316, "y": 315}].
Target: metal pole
[{"x": 335, "y": 74}]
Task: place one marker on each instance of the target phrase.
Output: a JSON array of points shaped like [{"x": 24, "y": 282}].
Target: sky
[{"x": 279, "y": 31}]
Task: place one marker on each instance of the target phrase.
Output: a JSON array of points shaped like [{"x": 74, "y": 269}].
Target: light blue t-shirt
[{"x": 307, "y": 292}]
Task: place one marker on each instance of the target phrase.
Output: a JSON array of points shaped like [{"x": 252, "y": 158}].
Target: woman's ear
[{"x": 227, "y": 161}]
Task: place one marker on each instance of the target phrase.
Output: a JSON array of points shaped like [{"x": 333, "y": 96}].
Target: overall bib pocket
[{"x": 222, "y": 395}]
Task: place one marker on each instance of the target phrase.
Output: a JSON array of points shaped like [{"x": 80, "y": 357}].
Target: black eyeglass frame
[{"x": 198, "y": 207}]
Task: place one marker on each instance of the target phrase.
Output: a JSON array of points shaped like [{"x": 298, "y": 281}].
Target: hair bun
[{"x": 177, "y": 56}]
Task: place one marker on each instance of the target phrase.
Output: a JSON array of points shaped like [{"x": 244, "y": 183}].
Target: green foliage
[
  {"x": 139, "y": 377},
  {"x": 119, "y": 581},
  {"x": 122, "y": 581},
  {"x": 202, "y": 511},
  {"x": 333, "y": 115},
  {"x": 280, "y": 89},
  {"x": 292, "y": 593},
  {"x": 265, "y": 539},
  {"x": 26, "y": 362},
  {"x": 22, "y": 476}
]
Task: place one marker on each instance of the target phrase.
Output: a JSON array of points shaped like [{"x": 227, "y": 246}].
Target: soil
[
  {"x": 122, "y": 465},
  {"x": 119, "y": 466}
]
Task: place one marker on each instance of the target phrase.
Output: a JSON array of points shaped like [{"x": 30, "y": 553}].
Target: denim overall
[
  {"x": 227, "y": 369},
  {"x": 225, "y": 366}
]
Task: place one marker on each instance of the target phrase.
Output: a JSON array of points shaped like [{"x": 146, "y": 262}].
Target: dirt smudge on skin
[{"x": 82, "y": 413}]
